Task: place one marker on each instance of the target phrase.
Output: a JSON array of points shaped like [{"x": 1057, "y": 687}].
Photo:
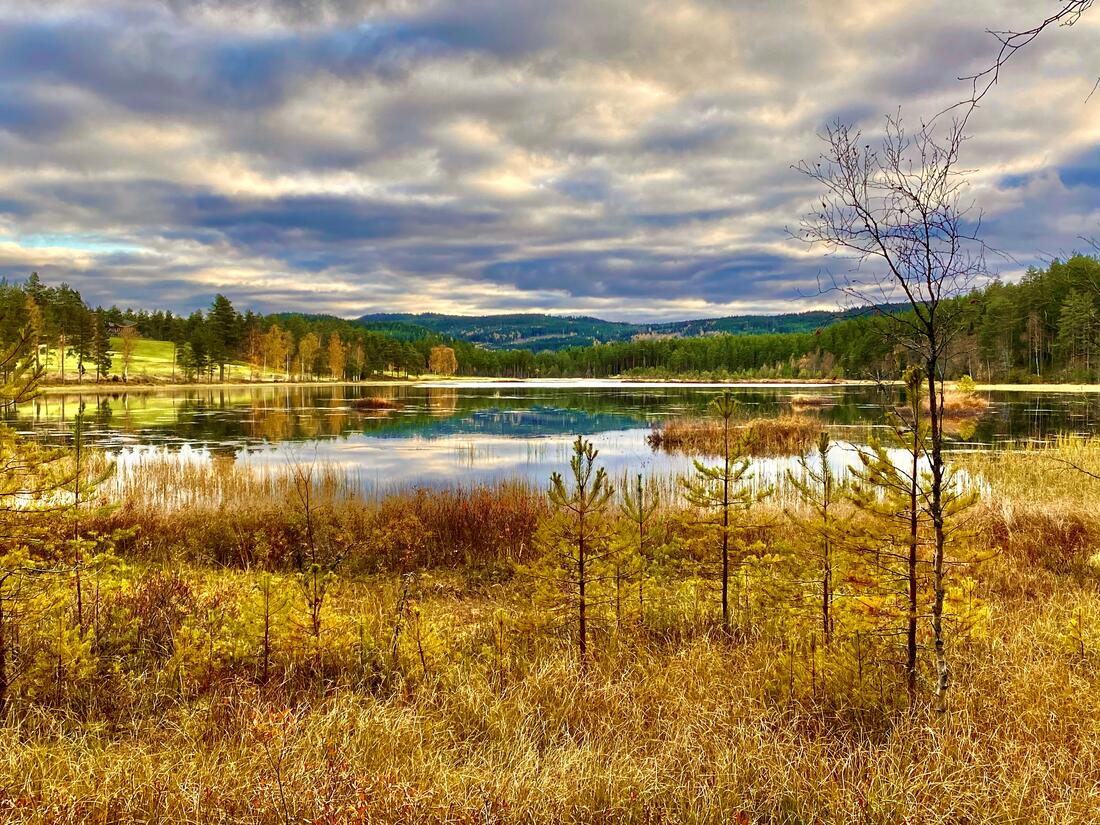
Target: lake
[{"x": 466, "y": 432}]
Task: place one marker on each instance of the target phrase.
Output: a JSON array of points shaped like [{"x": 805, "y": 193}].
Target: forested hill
[
  {"x": 519, "y": 331},
  {"x": 540, "y": 333}
]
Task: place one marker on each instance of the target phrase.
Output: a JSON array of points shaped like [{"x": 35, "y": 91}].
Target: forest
[{"x": 1046, "y": 328}]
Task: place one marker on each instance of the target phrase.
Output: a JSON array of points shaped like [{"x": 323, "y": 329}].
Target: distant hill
[
  {"x": 554, "y": 332},
  {"x": 519, "y": 331}
]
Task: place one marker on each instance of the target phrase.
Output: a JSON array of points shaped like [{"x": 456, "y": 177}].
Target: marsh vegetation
[{"x": 210, "y": 643}]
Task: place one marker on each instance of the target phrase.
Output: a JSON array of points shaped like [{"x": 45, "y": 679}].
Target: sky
[{"x": 620, "y": 158}]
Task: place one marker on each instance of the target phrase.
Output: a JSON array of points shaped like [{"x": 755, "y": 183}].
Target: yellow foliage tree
[{"x": 442, "y": 361}]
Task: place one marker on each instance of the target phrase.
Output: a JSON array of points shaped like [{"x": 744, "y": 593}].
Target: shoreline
[{"x": 113, "y": 388}]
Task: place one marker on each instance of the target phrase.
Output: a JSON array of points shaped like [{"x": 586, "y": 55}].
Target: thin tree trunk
[
  {"x": 726, "y": 523},
  {"x": 943, "y": 673},
  {"x": 3, "y": 654},
  {"x": 827, "y": 572},
  {"x": 911, "y": 624}
]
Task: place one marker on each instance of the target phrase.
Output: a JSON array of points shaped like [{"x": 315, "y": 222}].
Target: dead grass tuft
[{"x": 785, "y": 435}]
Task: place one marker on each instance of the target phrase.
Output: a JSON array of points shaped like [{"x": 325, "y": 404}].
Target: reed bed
[
  {"x": 961, "y": 405},
  {"x": 237, "y": 516},
  {"x": 811, "y": 402},
  {"x": 784, "y": 435},
  {"x": 377, "y": 403}
]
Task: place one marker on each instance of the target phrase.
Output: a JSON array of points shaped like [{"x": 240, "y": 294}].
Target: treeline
[
  {"x": 72, "y": 337},
  {"x": 1046, "y": 327},
  {"x": 856, "y": 347}
]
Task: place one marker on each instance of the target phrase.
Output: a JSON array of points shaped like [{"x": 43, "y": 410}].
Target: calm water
[{"x": 460, "y": 433}]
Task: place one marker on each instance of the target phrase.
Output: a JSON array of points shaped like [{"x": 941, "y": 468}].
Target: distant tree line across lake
[{"x": 1046, "y": 327}]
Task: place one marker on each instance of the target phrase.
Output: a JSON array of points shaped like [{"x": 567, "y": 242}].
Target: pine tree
[
  {"x": 82, "y": 339},
  {"x": 722, "y": 493},
  {"x": 223, "y": 333},
  {"x": 1077, "y": 325},
  {"x": 33, "y": 483},
  {"x": 818, "y": 488},
  {"x": 639, "y": 542},
  {"x": 101, "y": 346},
  {"x": 576, "y": 542},
  {"x": 901, "y": 578}
]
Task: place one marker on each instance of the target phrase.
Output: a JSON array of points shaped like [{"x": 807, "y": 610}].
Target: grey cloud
[{"x": 610, "y": 154}]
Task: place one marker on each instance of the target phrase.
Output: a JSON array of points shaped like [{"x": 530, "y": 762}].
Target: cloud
[{"x": 630, "y": 159}]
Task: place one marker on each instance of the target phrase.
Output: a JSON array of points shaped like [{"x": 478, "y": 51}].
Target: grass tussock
[
  {"x": 784, "y": 435},
  {"x": 376, "y": 403},
  {"x": 961, "y": 405},
  {"x": 811, "y": 402}
]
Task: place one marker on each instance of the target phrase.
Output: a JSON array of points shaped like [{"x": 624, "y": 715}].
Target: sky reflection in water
[{"x": 461, "y": 433}]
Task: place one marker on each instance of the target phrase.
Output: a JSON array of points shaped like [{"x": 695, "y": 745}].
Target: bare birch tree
[{"x": 896, "y": 209}]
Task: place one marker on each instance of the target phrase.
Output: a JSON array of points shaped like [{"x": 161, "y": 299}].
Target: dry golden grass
[
  {"x": 961, "y": 405},
  {"x": 228, "y": 514},
  {"x": 784, "y": 435},
  {"x": 811, "y": 402},
  {"x": 672, "y": 722},
  {"x": 703, "y": 731}
]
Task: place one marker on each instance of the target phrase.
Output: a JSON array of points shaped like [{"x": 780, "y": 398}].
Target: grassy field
[
  {"x": 152, "y": 360},
  {"x": 245, "y": 652}
]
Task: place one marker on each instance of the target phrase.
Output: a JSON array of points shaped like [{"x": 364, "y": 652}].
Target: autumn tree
[
  {"x": 308, "y": 349},
  {"x": 35, "y": 325},
  {"x": 336, "y": 354},
  {"x": 128, "y": 345},
  {"x": 442, "y": 361},
  {"x": 278, "y": 344}
]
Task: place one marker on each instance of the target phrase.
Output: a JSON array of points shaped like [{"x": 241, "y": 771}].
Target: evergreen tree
[
  {"x": 818, "y": 488},
  {"x": 900, "y": 575},
  {"x": 722, "y": 493},
  {"x": 576, "y": 543},
  {"x": 1077, "y": 325},
  {"x": 639, "y": 554},
  {"x": 224, "y": 333},
  {"x": 101, "y": 346},
  {"x": 82, "y": 340}
]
